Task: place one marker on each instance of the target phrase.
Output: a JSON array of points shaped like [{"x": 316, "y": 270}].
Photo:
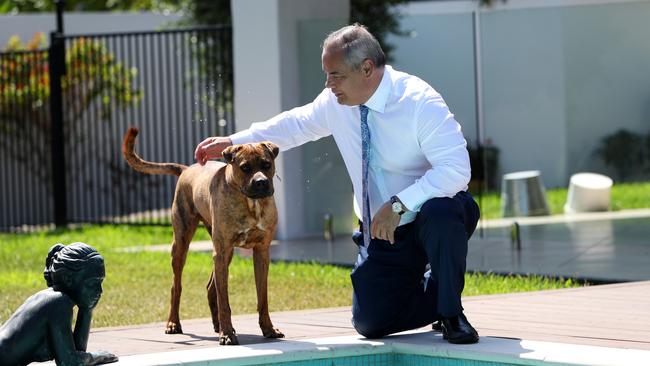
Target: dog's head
[{"x": 252, "y": 167}]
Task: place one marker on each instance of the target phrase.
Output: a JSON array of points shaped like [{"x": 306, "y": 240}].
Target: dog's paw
[
  {"x": 173, "y": 328},
  {"x": 272, "y": 333},
  {"x": 228, "y": 339}
]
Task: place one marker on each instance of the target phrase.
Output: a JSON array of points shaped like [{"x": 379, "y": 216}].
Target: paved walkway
[{"x": 607, "y": 316}]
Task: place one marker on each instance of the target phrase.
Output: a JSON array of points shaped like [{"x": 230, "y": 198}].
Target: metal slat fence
[
  {"x": 25, "y": 193},
  {"x": 175, "y": 85}
]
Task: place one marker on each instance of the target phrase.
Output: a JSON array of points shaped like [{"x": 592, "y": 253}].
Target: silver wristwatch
[{"x": 397, "y": 206}]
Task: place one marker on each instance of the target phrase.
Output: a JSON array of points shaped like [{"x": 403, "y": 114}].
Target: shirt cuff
[
  {"x": 242, "y": 137},
  {"x": 413, "y": 197}
]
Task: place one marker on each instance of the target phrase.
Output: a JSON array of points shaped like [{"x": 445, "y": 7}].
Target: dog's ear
[
  {"x": 229, "y": 153},
  {"x": 273, "y": 148}
]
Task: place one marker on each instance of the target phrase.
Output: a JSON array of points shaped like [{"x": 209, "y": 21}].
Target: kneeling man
[{"x": 408, "y": 162}]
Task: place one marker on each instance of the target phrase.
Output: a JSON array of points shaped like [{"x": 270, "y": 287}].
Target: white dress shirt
[{"x": 418, "y": 151}]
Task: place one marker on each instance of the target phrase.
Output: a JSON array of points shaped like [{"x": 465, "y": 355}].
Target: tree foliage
[
  {"x": 34, "y": 6},
  {"x": 380, "y": 17},
  {"x": 206, "y": 12}
]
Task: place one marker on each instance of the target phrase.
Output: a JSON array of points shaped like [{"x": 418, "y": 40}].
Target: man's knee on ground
[{"x": 369, "y": 327}]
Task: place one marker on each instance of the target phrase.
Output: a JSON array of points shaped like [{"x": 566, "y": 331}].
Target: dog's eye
[
  {"x": 266, "y": 165},
  {"x": 245, "y": 168}
]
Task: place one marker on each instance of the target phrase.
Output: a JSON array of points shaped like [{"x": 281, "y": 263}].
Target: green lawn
[
  {"x": 624, "y": 196},
  {"x": 136, "y": 289}
]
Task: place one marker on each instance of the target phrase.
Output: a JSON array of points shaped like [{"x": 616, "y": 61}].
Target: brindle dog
[{"x": 235, "y": 203}]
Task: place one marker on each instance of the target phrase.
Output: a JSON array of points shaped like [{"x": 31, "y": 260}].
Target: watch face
[{"x": 397, "y": 207}]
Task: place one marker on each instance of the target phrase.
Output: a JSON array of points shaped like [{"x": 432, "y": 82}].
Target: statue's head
[{"x": 76, "y": 270}]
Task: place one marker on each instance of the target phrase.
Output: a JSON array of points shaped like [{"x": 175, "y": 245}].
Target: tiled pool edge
[{"x": 417, "y": 342}]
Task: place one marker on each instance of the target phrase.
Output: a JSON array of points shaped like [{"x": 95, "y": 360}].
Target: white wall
[
  {"x": 326, "y": 188},
  {"x": 267, "y": 82},
  {"x": 607, "y": 56},
  {"x": 557, "y": 76},
  {"x": 524, "y": 90}
]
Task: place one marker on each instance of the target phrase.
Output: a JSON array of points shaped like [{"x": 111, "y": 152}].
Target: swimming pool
[{"x": 390, "y": 359}]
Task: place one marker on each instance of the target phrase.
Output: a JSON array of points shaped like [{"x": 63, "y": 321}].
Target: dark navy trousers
[{"x": 392, "y": 292}]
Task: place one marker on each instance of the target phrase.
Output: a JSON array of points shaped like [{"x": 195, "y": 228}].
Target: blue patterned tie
[{"x": 365, "y": 159}]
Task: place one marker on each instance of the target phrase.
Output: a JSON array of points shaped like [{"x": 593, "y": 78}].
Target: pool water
[{"x": 390, "y": 359}]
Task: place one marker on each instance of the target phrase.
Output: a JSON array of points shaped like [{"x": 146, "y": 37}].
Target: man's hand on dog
[
  {"x": 211, "y": 148},
  {"x": 384, "y": 223}
]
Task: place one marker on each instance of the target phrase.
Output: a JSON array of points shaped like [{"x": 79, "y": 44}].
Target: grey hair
[
  {"x": 357, "y": 44},
  {"x": 63, "y": 261}
]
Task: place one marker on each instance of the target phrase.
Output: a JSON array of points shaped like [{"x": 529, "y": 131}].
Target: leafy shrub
[{"x": 626, "y": 152}]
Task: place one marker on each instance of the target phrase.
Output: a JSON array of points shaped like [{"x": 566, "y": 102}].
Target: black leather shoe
[{"x": 458, "y": 330}]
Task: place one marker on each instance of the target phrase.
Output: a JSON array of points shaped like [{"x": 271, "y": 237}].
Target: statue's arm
[
  {"x": 82, "y": 328},
  {"x": 81, "y": 333},
  {"x": 61, "y": 339},
  {"x": 63, "y": 344}
]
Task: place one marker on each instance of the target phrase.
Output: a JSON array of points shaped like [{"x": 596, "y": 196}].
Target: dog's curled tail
[{"x": 143, "y": 166}]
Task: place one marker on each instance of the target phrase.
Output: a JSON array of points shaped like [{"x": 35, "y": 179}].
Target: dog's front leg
[
  {"x": 222, "y": 259},
  {"x": 184, "y": 227},
  {"x": 261, "y": 260}
]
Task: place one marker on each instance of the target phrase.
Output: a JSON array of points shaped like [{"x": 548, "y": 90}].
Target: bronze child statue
[{"x": 40, "y": 329}]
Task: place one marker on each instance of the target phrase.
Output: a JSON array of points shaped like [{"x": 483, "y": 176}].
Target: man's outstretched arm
[{"x": 287, "y": 130}]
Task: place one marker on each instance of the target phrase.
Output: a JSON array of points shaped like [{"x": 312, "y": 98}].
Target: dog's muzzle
[{"x": 259, "y": 188}]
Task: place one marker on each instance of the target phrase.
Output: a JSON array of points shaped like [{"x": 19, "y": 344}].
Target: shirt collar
[{"x": 379, "y": 98}]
